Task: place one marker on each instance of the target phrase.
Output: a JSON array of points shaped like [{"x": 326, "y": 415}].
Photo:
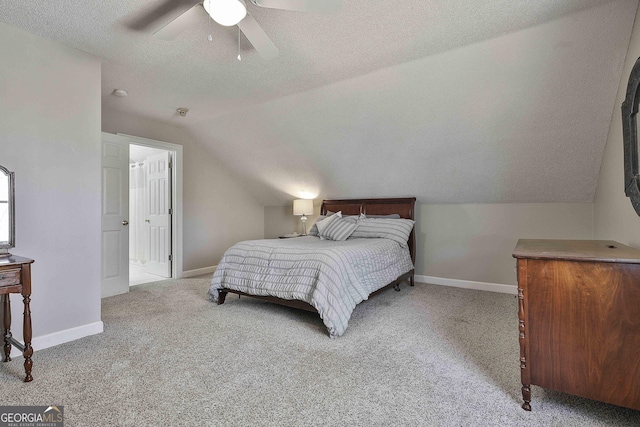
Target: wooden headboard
[{"x": 402, "y": 206}]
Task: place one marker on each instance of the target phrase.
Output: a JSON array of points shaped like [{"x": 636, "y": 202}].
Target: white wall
[
  {"x": 474, "y": 242},
  {"x": 217, "y": 211},
  {"x": 614, "y": 217},
  {"x": 50, "y": 127}
]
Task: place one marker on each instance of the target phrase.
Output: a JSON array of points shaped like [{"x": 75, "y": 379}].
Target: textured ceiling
[{"x": 453, "y": 102}]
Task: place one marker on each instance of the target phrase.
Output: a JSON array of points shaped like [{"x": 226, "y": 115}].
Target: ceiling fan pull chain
[
  {"x": 239, "y": 57},
  {"x": 210, "y": 37}
]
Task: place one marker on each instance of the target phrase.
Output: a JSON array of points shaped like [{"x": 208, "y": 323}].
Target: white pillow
[
  {"x": 314, "y": 227},
  {"x": 321, "y": 225}
]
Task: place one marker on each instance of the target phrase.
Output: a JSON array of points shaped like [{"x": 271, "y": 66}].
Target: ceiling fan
[{"x": 234, "y": 12}]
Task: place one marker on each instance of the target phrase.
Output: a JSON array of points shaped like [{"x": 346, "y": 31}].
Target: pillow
[
  {"x": 314, "y": 228},
  {"x": 320, "y": 225},
  {"x": 339, "y": 229},
  {"x": 387, "y": 228},
  {"x": 329, "y": 213},
  {"x": 393, "y": 216}
]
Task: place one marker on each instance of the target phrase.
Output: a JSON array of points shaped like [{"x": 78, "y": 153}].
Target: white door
[
  {"x": 159, "y": 214},
  {"x": 115, "y": 215}
]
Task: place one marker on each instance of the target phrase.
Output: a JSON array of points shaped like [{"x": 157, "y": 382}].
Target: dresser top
[
  {"x": 14, "y": 260},
  {"x": 577, "y": 250}
]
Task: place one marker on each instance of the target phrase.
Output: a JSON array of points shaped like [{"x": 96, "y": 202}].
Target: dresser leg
[
  {"x": 6, "y": 327},
  {"x": 526, "y": 396},
  {"x": 28, "y": 350}
]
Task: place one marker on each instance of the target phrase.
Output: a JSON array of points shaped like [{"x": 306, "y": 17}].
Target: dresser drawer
[{"x": 10, "y": 277}]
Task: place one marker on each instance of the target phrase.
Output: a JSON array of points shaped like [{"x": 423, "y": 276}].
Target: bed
[{"x": 324, "y": 276}]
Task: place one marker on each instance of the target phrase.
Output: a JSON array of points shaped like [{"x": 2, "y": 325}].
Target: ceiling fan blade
[
  {"x": 300, "y": 5},
  {"x": 258, "y": 38},
  {"x": 166, "y": 8},
  {"x": 181, "y": 23}
]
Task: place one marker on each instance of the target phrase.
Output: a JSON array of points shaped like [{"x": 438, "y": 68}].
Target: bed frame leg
[
  {"x": 221, "y": 297},
  {"x": 397, "y": 287},
  {"x": 411, "y": 280}
]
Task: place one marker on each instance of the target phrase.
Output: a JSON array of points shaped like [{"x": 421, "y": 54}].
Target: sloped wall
[{"x": 614, "y": 217}]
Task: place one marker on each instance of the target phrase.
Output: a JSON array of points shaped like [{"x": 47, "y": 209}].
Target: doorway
[
  {"x": 150, "y": 213},
  {"x": 155, "y": 244}
]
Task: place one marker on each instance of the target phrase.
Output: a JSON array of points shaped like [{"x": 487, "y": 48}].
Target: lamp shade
[
  {"x": 226, "y": 12},
  {"x": 303, "y": 207}
]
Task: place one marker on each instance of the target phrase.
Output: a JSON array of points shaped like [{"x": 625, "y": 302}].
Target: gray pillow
[
  {"x": 387, "y": 228},
  {"x": 314, "y": 228},
  {"x": 339, "y": 229},
  {"x": 321, "y": 225},
  {"x": 392, "y": 216}
]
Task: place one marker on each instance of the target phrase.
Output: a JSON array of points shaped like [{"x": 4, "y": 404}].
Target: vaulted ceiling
[{"x": 462, "y": 101}]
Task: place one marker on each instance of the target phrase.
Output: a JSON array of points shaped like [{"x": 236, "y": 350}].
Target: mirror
[
  {"x": 630, "y": 138},
  {"x": 7, "y": 209}
]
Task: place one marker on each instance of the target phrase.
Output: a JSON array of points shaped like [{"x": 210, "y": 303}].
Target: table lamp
[{"x": 303, "y": 207}]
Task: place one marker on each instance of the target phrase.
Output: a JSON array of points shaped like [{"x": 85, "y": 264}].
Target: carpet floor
[{"x": 425, "y": 356}]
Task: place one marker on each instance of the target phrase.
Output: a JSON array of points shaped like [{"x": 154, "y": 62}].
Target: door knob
[
  {"x": 125, "y": 222},
  {"x": 148, "y": 221}
]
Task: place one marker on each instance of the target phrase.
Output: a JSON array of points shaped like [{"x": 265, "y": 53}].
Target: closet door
[{"x": 159, "y": 213}]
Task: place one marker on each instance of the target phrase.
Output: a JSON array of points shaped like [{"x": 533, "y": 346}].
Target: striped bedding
[{"x": 331, "y": 276}]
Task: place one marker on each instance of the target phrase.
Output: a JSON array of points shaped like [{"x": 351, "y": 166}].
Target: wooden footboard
[{"x": 222, "y": 294}]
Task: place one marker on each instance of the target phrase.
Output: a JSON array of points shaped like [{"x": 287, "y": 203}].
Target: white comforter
[{"x": 331, "y": 276}]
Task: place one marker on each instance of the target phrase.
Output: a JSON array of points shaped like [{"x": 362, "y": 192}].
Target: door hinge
[
  {"x": 170, "y": 257},
  {"x": 170, "y": 164},
  {"x": 170, "y": 211}
]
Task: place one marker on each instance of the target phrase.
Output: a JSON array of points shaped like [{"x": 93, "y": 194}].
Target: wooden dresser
[{"x": 579, "y": 319}]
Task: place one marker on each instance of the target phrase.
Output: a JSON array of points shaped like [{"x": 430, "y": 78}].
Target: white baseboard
[
  {"x": 467, "y": 284},
  {"x": 443, "y": 281},
  {"x": 61, "y": 337},
  {"x": 199, "y": 271}
]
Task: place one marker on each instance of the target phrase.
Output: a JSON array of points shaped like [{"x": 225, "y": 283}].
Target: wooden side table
[{"x": 15, "y": 277}]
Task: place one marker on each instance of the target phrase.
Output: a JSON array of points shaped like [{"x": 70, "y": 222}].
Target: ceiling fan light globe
[{"x": 226, "y": 12}]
